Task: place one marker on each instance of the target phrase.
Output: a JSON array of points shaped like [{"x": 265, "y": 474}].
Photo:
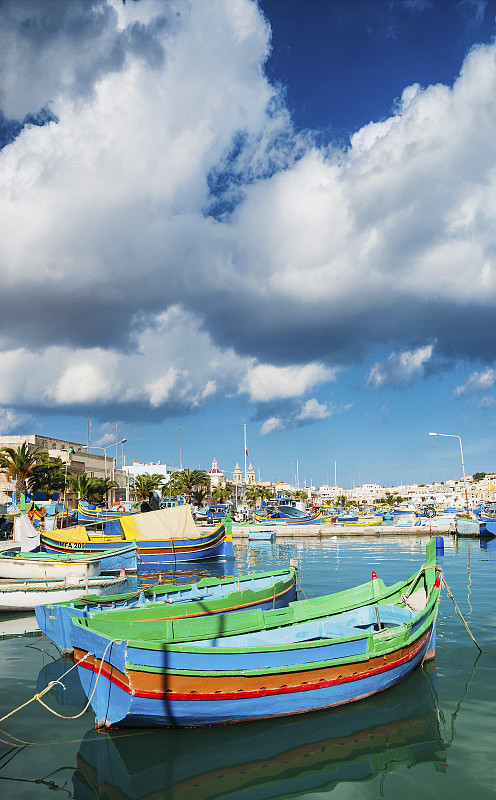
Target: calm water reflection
[{"x": 434, "y": 733}]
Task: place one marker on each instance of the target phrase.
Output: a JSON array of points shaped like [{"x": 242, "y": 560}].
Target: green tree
[
  {"x": 220, "y": 494},
  {"x": 100, "y": 487},
  {"x": 252, "y": 495},
  {"x": 20, "y": 464},
  {"x": 263, "y": 492},
  {"x": 48, "y": 476},
  {"x": 144, "y": 485},
  {"x": 186, "y": 481},
  {"x": 198, "y": 496},
  {"x": 82, "y": 485},
  {"x": 478, "y": 476}
]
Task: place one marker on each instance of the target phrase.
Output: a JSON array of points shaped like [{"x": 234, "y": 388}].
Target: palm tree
[
  {"x": 252, "y": 494},
  {"x": 144, "y": 485},
  {"x": 265, "y": 493},
  {"x": 101, "y": 487},
  {"x": 48, "y": 476},
  {"x": 82, "y": 485},
  {"x": 220, "y": 494},
  {"x": 198, "y": 496},
  {"x": 185, "y": 481},
  {"x": 20, "y": 464}
]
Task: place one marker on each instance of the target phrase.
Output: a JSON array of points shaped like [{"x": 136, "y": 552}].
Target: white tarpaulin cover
[{"x": 168, "y": 523}]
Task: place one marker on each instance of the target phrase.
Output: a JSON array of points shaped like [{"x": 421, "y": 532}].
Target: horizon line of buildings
[{"x": 79, "y": 458}]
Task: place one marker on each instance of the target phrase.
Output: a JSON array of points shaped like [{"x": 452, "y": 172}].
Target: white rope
[{"x": 47, "y": 688}]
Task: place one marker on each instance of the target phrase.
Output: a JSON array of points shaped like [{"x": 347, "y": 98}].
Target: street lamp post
[
  {"x": 69, "y": 453},
  {"x": 114, "y": 444},
  {"x": 455, "y": 436}
]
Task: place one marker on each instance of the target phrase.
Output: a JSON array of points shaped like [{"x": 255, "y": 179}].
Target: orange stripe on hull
[{"x": 197, "y": 687}]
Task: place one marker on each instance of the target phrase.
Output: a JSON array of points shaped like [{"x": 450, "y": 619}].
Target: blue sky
[{"x": 278, "y": 214}]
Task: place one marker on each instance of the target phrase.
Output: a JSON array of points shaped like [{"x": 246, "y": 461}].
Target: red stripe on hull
[{"x": 193, "y": 696}]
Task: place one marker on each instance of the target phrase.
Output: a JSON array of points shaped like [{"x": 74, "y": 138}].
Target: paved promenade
[{"x": 328, "y": 531}]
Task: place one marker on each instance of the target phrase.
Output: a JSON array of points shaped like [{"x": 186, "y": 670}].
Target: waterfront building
[
  {"x": 237, "y": 478},
  {"x": 216, "y": 476},
  {"x": 76, "y": 459}
]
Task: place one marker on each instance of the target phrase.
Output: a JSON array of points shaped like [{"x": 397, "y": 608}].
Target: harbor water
[{"x": 431, "y": 736}]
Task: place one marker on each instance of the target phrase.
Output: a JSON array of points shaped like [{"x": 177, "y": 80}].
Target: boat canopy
[{"x": 167, "y": 523}]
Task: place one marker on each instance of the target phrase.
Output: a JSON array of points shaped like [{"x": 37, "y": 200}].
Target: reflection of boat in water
[
  {"x": 18, "y": 624},
  {"x": 185, "y": 572},
  {"x": 68, "y": 692},
  {"x": 286, "y": 757}
]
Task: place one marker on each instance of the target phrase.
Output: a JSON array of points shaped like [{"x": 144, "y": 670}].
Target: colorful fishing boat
[
  {"x": 90, "y": 513},
  {"x": 167, "y": 601},
  {"x": 25, "y": 595},
  {"x": 314, "y": 654},
  {"x": 166, "y": 536},
  {"x": 286, "y": 515},
  {"x": 364, "y": 520}
]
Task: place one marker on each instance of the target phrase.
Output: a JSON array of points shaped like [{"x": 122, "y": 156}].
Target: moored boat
[
  {"x": 25, "y": 595},
  {"x": 314, "y": 654},
  {"x": 86, "y": 512},
  {"x": 17, "y": 564},
  {"x": 262, "y": 534},
  {"x": 169, "y": 601},
  {"x": 168, "y": 535}
]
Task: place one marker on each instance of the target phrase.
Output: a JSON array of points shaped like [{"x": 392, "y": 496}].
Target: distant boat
[
  {"x": 365, "y": 519},
  {"x": 405, "y": 508},
  {"x": 262, "y": 534},
  {"x": 276, "y": 514},
  {"x": 88, "y": 512},
  {"x": 316, "y": 653}
]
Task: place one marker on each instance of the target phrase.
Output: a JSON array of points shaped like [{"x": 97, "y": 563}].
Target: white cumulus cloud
[
  {"x": 400, "y": 368},
  {"x": 265, "y": 382},
  {"x": 477, "y": 383}
]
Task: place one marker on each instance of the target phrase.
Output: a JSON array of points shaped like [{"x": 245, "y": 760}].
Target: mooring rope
[
  {"x": 299, "y": 584},
  {"x": 49, "y": 686},
  {"x": 450, "y": 594}
]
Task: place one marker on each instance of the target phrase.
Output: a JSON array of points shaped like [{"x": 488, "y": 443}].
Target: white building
[
  {"x": 216, "y": 476},
  {"x": 152, "y": 468}
]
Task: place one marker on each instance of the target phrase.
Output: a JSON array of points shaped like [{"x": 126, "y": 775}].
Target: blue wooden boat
[
  {"x": 166, "y": 536},
  {"x": 261, "y": 534},
  {"x": 286, "y": 515},
  {"x": 91, "y": 513},
  {"x": 488, "y": 528},
  {"x": 169, "y": 601},
  {"x": 314, "y": 654}
]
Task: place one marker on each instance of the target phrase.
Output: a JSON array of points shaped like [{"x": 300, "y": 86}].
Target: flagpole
[{"x": 246, "y": 451}]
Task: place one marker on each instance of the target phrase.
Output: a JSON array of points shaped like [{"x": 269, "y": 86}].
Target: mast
[{"x": 246, "y": 451}]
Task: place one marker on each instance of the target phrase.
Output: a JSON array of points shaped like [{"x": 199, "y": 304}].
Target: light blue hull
[{"x": 113, "y": 705}]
